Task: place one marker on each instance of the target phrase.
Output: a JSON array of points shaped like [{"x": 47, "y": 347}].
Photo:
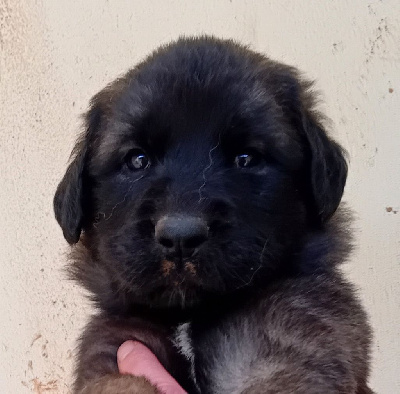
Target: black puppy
[{"x": 201, "y": 198}]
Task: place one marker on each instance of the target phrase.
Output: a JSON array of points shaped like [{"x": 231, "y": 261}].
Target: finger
[{"x": 136, "y": 359}]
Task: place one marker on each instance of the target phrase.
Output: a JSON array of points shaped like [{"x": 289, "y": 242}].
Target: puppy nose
[{"x": 181, "y": 235}]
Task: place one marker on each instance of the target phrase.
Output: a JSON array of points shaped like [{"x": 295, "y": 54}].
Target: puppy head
[{"x": 199, "y": 173}]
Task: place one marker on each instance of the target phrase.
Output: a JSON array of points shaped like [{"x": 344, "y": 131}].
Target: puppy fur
[{"x": 229, "y": 137}]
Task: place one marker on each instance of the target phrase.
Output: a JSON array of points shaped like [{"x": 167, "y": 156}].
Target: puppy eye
[
  {"x": 137, "y": 160},
  {"x": 246, "y": 160}
]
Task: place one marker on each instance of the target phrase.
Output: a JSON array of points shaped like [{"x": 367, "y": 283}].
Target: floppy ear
[
  {"x": 325, "y": 164},
  {"x": 327, "y": 168},
  {"x": 68, "y": 200}
]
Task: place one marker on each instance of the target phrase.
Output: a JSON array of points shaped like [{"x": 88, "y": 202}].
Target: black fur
[{"x": 192, "y": 107}]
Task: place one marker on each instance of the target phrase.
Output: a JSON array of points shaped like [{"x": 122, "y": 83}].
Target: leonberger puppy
[{"x": 202, "y": 205}]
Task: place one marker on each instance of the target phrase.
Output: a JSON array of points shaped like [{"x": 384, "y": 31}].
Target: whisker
[
  {"x": 208, "y": 167},
  {"x": 125, "y": 196}
]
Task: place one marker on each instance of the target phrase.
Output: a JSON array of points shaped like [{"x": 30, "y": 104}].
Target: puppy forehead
[
  {"x": 177, "y": 114},
  {"x": 182, "y": 96}
]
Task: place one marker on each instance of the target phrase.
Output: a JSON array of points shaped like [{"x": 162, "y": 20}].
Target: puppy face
[{"x": 200, "y": 173}]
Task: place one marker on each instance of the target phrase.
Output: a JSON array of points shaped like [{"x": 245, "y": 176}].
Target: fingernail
[{"x": 125, "y": 349}]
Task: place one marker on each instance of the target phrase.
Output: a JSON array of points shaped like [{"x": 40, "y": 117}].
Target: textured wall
[{"x": 55, "y": 54}]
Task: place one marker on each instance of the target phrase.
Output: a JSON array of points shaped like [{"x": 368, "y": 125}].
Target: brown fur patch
[
  {"x": 122, "y": 384},
  {"x": 191, "y": 268},
  {"x": 166, "y": 267}
]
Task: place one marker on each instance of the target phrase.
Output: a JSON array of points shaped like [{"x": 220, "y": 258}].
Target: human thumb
[{"x": 136, "y": 359}]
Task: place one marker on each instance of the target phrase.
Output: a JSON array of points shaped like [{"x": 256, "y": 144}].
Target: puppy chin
[
  {"x": 177, "y": 294},
  {"x": 182, "y": 284}
]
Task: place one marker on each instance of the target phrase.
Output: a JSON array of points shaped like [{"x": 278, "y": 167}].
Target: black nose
[{"x": 181, "y": 235}]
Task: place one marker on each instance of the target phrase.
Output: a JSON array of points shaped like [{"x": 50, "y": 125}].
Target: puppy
[{"x": 201, "y": 204}]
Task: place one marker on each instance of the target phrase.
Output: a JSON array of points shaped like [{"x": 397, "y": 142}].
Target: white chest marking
[{"x": 183, "y": 342}]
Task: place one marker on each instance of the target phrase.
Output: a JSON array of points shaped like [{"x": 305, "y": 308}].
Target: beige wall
[{"x": 55, "y": 54}]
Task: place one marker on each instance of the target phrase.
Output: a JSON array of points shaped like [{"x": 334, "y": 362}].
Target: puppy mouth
[
  {"x": 179, "y": 272},
  {"x": 178, "y": 284}
]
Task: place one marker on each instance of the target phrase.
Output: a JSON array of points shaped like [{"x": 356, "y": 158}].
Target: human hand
[{"x": 136, "y": 359}]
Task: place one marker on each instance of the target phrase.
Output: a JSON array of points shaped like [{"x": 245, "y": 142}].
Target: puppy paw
[{"x": 119, "y": 384}]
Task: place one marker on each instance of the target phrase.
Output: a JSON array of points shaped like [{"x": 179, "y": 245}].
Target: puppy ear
[
  {"x": 68, "y": 200},
  {"x": 325, "y": 164},
  {"x": 327, "y": 168}
]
